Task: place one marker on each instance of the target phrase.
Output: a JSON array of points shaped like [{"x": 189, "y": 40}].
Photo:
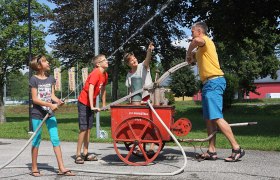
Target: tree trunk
[
  {"x": 240, "y": 95},
  {"x": 2, "y": 113},
  {"x": 2, "y": 106}
]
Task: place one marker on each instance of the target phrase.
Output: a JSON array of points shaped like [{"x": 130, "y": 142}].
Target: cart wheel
[
  {"x": 181, "y": 127},
  {"x": 137, "y": 133}
]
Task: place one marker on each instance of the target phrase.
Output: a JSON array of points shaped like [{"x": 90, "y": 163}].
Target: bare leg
[
  {"x": 152, "y": 146},
  {"x": 62, "y": 169},
  {"x": 80, "y": 142},
  {"x": 34, "y": 154},
  {"x": 86, "y": 141},
  {"x": 58, "y": 154},
  {"x": 211, "y": 127},
  {"x": 226, "y": 130}
]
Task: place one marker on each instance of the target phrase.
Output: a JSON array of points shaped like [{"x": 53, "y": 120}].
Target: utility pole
[
  {"x": 96, "y": 52},
  {"x": 30, "y": 70},
  {"x": 77, "y": 87}
]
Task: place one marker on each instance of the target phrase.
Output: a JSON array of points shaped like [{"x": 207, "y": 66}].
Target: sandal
[
  {"x": 150, "y": 152},
  {"x": 88, "y": 157},
  {"x": 35, "y": 173},
  {"x": 66, "y": 173},
  {"x": 236, "y": 155},
  {"x": 207, "y": 156},
  {"x": 79, "y": 160}
]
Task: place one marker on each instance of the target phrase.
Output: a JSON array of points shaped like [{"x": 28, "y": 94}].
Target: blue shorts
[
  {"x": 212, "y": 98},
  {"x": 52, "y": 128}
]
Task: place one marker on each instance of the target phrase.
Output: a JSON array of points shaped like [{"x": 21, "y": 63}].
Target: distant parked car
[
  {"x": 25, "y": 102},
  {"x": 71, "y": 101}
]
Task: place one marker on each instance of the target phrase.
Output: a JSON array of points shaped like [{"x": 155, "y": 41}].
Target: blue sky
[{"x": 48, "y": 38}]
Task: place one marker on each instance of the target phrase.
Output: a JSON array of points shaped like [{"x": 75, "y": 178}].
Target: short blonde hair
[
  {"x": 96, "y": 59},
  {"x": 36, "y": 61}
]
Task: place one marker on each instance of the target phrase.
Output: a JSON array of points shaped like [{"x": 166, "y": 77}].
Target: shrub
[
  {"x": 171, "y": 98},
  {"x": 231, "y": 89}
]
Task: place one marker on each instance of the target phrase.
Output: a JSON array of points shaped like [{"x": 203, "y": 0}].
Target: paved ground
[{"x": 255, "y": 164}]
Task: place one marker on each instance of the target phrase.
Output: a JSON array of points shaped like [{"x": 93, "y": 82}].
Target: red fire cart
[{"x": 138, "y": 134}]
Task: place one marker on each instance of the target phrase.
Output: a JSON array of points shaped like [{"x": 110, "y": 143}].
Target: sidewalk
[{"x": 254, "y": 165}]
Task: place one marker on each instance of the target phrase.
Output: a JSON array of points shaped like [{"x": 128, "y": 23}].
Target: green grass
[{"x": 263, "y": 136}]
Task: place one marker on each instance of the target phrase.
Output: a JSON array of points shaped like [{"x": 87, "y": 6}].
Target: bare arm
[
  {"x": 149, "y": 55},
  {"x": 90, "y": 96},
  {"x": 103, "y": 95},
  {"x": 198, "y": 41}
]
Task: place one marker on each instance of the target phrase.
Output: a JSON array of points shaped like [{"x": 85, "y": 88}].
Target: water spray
[{"x": 140, "y": 29}]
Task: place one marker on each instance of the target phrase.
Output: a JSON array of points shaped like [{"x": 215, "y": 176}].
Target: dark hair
[{"x": 126, "y": 56}]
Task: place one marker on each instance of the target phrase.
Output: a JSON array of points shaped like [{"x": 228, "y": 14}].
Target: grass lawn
[{"x": 263, "y": 136}]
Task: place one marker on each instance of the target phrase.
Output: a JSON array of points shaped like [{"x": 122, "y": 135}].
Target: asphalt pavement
[{"x": 262, "y": 165}]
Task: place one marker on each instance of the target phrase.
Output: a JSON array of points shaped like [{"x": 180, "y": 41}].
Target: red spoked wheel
[
  {"x": 136, "y": 133},
  {"x": 181, "y": 127}
]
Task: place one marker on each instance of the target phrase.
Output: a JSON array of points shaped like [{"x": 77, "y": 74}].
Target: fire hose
[
  {"x": 27, "y": 143},
  {"x": 107, "y": 172},
  {"x": 160, "y": 80}
]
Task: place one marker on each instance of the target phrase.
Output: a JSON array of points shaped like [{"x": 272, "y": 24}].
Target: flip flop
[{"x": 66, "y": 173}]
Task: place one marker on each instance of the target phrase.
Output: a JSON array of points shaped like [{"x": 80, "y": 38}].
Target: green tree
[
  {"x": 183, "y": 82},
  {"x": 231, "y": 89},
  {"x": 247, "y": 36},
  {"x": 123, "y": 26},
  {"x": 17, "y": 86},
  {"x": 14, "y": 38}
]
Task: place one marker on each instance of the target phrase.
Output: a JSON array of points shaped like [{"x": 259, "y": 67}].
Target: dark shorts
[{"x": 85, "y": 117}]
